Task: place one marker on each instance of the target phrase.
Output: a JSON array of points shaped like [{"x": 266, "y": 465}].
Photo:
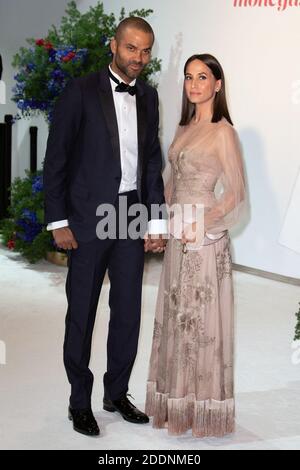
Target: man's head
[{"x": 131, "y": 47}]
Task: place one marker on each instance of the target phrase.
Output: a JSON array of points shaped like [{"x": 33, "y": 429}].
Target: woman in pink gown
[{"x": 190, "y": 383}]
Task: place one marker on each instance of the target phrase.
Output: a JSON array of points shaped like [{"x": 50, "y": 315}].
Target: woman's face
[{"x": 200, "y": 83}]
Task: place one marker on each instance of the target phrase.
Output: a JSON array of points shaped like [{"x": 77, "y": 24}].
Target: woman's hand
[{"x": 189, "y": 233}]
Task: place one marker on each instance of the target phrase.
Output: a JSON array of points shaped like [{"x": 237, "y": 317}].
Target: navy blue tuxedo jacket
[{"x": 82, "y": 167}]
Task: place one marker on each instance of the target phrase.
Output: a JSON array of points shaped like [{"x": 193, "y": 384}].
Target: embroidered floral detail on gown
[{"x": 190, "y": 383}]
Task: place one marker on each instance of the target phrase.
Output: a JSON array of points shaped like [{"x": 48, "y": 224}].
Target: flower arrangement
[
  {"x": 24, "y": 230},
  {"x": 79, "y": 46}
]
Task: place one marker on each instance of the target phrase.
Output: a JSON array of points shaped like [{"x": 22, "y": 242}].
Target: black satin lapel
[
  {"x": 109, "y": 112},
  {"x": 141, "y": 110}
]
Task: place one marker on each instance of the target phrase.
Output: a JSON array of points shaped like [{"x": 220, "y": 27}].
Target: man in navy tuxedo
[{"x": 103, "y": 145}]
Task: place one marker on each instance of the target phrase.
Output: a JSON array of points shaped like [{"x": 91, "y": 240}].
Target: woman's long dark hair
[{"x": 220, "y": 108}]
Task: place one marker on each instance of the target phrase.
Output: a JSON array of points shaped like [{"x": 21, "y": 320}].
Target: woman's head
[{"x": 204, "y": 85}]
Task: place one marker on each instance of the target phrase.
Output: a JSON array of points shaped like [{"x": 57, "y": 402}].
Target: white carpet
[{"x": 34, "y": 390}]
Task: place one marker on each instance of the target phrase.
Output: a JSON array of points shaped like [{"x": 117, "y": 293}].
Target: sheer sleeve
[
  {"x": 168, "y": 182},
  {"x": 231, "y": 203},
  {"x": 168, "y": 175}
]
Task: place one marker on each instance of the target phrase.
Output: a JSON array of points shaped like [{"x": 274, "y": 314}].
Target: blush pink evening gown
[{"x": 190, "y": 382}]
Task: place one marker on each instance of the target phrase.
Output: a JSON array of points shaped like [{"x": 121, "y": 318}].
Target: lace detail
[{"x": 224, "y": 262}]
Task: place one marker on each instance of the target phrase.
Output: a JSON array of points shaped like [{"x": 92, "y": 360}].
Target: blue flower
[
  {"x": 18, "y": 89},
  {"x": 53, "y": 87},
  {"x": 52, "y": 55},
  {"x": 58, "y": 74},
  {"x": 31, "y": 233},
  {"x": 30, "y": 67},
  {"x": 29, "y": 215},
  {"x": 20, "y": 104},
  {"x": 37, "y": 184},
  {"x": 29, "y": 224},
  {"x": 64, "y": 51}
]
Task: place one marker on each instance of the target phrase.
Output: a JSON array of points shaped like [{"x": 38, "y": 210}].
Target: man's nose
[{"x": 138, "y": 56}]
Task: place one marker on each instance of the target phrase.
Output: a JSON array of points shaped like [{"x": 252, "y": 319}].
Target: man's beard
[{"x": 131, "y": 75}]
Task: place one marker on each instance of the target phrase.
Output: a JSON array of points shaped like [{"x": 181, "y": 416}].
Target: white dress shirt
[{"x": 125, "y": 106}]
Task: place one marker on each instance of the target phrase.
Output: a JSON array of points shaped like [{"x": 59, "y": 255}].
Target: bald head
[{"x": 133, "y": 22}]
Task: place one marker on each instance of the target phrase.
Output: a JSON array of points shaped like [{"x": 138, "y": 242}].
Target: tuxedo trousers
[{"x": 124, "y": 261}]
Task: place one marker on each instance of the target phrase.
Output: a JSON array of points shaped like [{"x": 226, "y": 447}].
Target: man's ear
[{"x": 113, "y": 45}]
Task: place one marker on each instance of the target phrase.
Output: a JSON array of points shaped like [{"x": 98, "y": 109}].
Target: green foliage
[
  {"x": 297, "y": 327},
  {"x": 80, "y": 45}
]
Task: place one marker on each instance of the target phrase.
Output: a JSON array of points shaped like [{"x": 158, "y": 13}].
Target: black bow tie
[{"x": 121, "y": 86}]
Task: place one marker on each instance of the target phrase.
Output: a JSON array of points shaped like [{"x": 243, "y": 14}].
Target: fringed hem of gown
[{"x": 206, "y": 418}]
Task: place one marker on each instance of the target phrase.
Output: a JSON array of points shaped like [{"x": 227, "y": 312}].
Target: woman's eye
[{"x": 202, "y": 77}]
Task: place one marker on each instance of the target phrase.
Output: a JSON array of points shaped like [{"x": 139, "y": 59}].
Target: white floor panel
[{"x": 34, "y": 389}]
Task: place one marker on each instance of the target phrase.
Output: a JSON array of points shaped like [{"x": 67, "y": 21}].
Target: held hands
[
  {"x": 154, "y": 243},
  {"x": 157, "y": 243},
  {"x": 64, "y": 238}
]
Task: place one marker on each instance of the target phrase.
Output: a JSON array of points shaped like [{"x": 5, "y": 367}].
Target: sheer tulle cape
[{"x": 221, "y": 164}]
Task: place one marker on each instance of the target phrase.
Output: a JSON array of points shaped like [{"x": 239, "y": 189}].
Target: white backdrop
[
  {"x": 21, "y": 19},
  {"x": 258, "y": 48}
]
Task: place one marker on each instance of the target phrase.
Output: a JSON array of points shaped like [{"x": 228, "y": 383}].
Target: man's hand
[
  {"x": 64, "y": 238},
  {"x": 155, "y": 243}
]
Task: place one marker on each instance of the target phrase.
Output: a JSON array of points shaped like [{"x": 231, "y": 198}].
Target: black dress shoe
[
  {"x": 126, "y": 409},
  {"x": 84, "y": 421}
]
